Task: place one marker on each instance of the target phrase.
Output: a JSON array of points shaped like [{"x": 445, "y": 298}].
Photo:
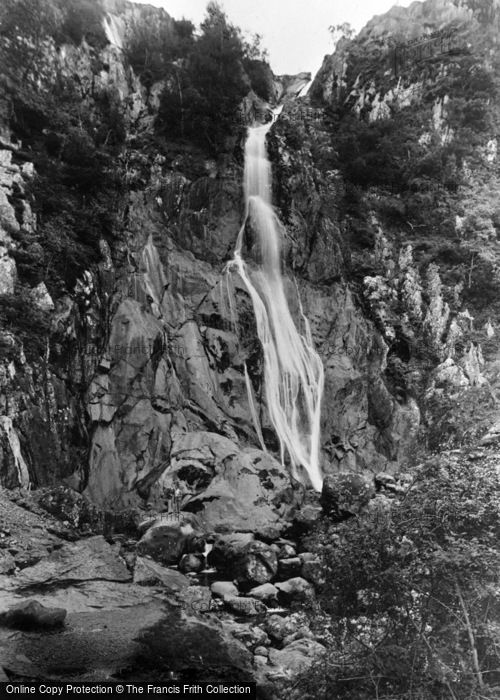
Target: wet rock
[
  {"x": 346, "y": 494},
  {"x": 244, "y": 606},
  {"x": 32, "y": 615},
  {"x": 150, "y": 573},
  {"x": 190, "y": 563},
  {"x": 266, "y": 592},
  {"x": 220, "y": 589},
  {"x": 165, "y": 543},
  {"x": 288, "y": 568},
  {"x": 295, "y": 590}
]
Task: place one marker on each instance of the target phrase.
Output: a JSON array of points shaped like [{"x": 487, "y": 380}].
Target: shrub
[{"x": 412, "y": 590}]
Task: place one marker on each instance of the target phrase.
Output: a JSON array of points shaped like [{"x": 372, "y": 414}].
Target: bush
[
  {"x": 412, "y": 591},
  {"x": 30, "y": 324}
]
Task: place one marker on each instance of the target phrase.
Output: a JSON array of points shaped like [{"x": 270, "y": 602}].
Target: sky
[{"x": 295, "y": 32}]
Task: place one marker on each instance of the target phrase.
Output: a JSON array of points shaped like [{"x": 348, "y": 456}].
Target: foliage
[
  {"x": 18, "y": 313},
  {"x": 153, "y": 45},
  {"x": 83, "y": 19},
  {"x": 412, "y": 590},
  {"x": 201, "y": 99}
]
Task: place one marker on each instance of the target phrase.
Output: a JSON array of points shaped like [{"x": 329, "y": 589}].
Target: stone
[
  {"x": 149, "y": 573},
  {"x": 7, "y": 563},
  {"x": 302, "y": 633},
  {"x": 227, "y": 549},
  {"x": 286, "y": 551},
  {"x": 385, "y": 481},
  {"x": 251, "y": 635},
  {"x": 313, "y": 571},
  {"x": 196, "y": 599},
  {"x": 41, "y": 297},
  {"x": 257, "y": 564},
  {"x": 86, "y": 560},
  {"x": 32, "y": 615},
  {"x": 70, "y": 506},
  {"x": 307, "y": 556},
  {"x": 244, "y": 558},
  {"x": 346, "y": 494},
  {"x": 240, "y": 489},
  {"x": 307, "y": 517},
  {"x": 244, "y": 605},
  {"x": 220, "y": 589},
  {"x": 295, "y": 590},
  {"x": 261, "y": 651},
  {"x": 197, "y": 648},
  {"x": 298, "y": 657},
  {"x": 278, "y": 627},
  {"x": 288, "y": 568},
  {"x": 266, "y": 592},
  {"x": 165, "y": 543},
  {"x": 190, "y": 563}
]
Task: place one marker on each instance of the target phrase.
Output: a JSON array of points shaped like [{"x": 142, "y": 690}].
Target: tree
[{"x": 202, "y": 97}]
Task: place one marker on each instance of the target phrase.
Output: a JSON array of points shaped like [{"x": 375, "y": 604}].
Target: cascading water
[{"x": 293, "y": 371}]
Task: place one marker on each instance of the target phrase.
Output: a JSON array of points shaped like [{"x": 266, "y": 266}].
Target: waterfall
[{"x": 293, "y": 371}]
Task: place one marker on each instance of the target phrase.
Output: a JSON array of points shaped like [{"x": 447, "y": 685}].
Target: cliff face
[
  {"x": 410, "y": 108},
  {"x": 121, "y": 373},
  {"x": 134, "y": 380}
]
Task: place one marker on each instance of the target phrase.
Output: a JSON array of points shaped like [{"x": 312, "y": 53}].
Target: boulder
[
  {"x": 165, "y": 543},
  {"x": 288, "y": 568},
  {"x": 295, "y": 590},
  {"x": 297, "y": 657},
  {"x": 278, "y": 627},
  {"x": 251, "y": 635},
  {"x": 313, "y": 571},
  {"x": 266, "y": 592},
  {"x": 244, "y": 559},
  {"x": 32, "y": 615},
  {"x": 286, "y": 551},
  {"x": 227, "y": 549},
  {"x": 191, "y": 563},
  {"x": 223, "y": 588},
  {"x": 261, "y": 651},
  {"x": 257, "y": 564},
  {"x": 385, "y": 481},
  {"x": 244, "y": 605},
  {"x": 150, "y": 573},
  {"x": 345, "y": 494},
  {"x": 89, "y": 559}
]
